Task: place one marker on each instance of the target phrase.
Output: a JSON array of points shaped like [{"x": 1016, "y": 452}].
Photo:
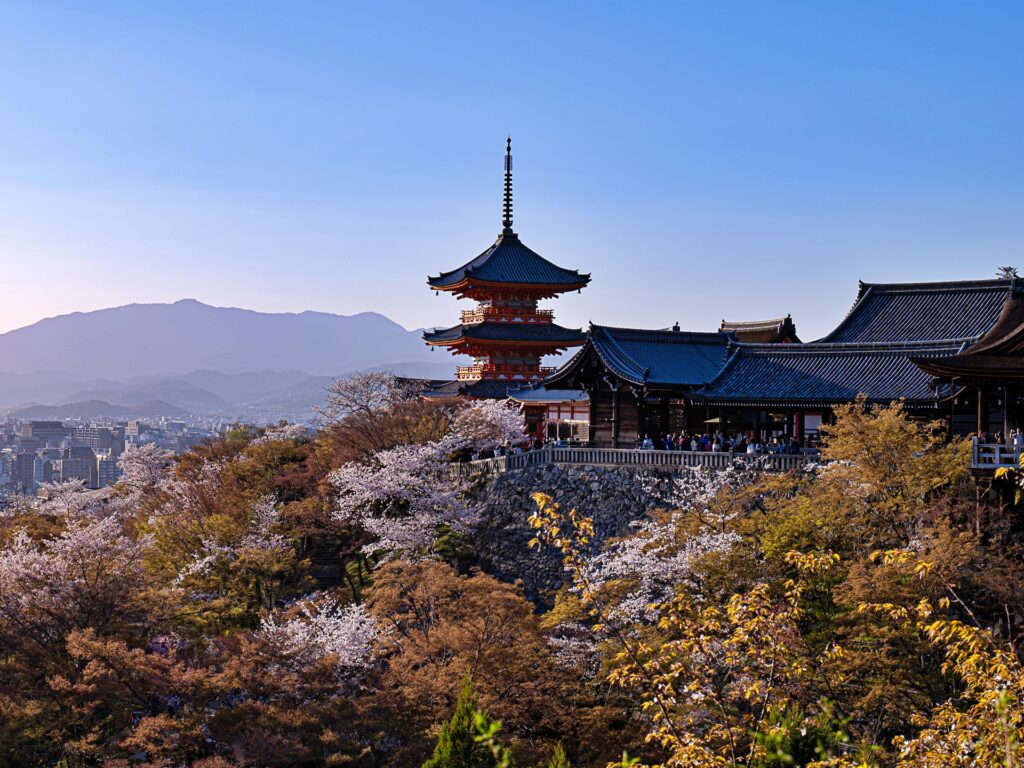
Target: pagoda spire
[{"x": 506, "y": 206}]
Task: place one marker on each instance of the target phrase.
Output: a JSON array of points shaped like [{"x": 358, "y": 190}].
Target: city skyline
[{"x": 742, "y": 165}]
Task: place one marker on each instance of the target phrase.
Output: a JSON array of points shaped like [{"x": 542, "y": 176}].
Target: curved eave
[
  {"x": 469, "y": 340},
  {"x": 546, "y": 289},
  {"x": 619, "y": 364},
  {"x": 969, "y": 367},
  {"x": 569, "y": 368},
  {"x": 506, "y": 334},
  {"x": 616, "y": 366}
]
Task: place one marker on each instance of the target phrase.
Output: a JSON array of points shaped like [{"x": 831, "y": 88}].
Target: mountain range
[{"x": 192, "y": 358}]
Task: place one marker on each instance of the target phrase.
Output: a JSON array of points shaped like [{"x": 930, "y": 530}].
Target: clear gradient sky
[{"x": 700, "y": 160}]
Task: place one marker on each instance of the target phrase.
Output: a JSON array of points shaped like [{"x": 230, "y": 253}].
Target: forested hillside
[{"x": 273, "y": 600}]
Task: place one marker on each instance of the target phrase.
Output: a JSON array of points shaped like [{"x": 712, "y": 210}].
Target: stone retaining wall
[{"x": 613, "y": 496}]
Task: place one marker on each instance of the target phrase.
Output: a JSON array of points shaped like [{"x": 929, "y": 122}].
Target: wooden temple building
[
  {"x": 639, "y": 380},
  {"x": 987, "y": 377},
  {"x": 951, "y": 351},
  {"x": 506, "y": 334}
]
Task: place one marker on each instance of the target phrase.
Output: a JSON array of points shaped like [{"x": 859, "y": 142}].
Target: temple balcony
[
  {"x": 486, "y": 371},
  {"x": 507, "y": 315},
  {"x": 992, "y": 456}
]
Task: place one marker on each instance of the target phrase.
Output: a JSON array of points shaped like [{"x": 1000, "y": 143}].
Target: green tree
[
  {"x": 558, "y": 758},
  {"x": 457, "y": 746}
]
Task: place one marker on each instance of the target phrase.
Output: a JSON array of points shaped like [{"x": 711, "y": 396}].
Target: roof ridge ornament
[{"x": 506, "y": 204}]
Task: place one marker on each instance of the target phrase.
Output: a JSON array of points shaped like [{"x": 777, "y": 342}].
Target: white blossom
[
  {"x": 74, "y": 578},
  {"x": 70, "y": 498},
  {"x": 401, "y": 496},
  {"x": 210, "y": 554},
  {"x": 259, "y": 534},
  {"x": 281, "y": 432},
  {"x": 487, "y": 424},
  {"x": 369, "y": 392},
  {"x": 263, "y": 519},
  {"x": 661, "y": 552},
  {"x": 324, "y": 629},
  {"x": 192, "y": 498},
  {"x": 144, "y": 467},
  {"x": 575, "y": 648}
]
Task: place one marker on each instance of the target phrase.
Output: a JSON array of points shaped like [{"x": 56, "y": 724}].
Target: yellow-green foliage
[{"x": 826, "y": 653}]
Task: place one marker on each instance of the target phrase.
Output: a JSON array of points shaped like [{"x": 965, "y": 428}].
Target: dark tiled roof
[
  {"x": 898, "y": 312},
  {"x": 997, "y": 356},
  {"x": 762, "y": 331},
  {"x": 532, "y": 333},
  {"x": 545, "y": 395},
  {"x": 485, "y": 388},
  {"x": 510, "y": 261},
  {"x": 821, "y": 374},
  {"x": 970, "y": 367},
  {"x": 676, "y": 358}
]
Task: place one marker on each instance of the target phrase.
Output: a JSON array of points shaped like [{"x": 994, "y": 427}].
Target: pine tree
[
  {"x": 558, "y": 758},
  {"x": 456, "y": 745}
]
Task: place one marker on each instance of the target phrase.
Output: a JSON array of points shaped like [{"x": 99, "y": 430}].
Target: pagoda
[{"x": 506, "y": 333}]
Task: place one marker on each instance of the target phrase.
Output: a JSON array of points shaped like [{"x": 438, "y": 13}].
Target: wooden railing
[
  {"x": 507, "y": 315},
  {"x": 993, "y": 455},
  {"x": 526, "y": 372},
  {"x": 626, "y": 457},
  {"x": 985, "y": 456}
]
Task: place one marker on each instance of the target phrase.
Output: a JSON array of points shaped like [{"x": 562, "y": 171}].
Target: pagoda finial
[{"x": 506, "y": 207}]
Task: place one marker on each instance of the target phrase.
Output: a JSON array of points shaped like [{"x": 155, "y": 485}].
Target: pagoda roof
[
  {"x": 946, "y": 311},
  {"x": 506, "y": 333},
  {"x": 821, "y": 374},
  {"x": 762, "y": 331},
  {"x": 510, "y": 262},
  {"x": 651, "y": 357}
]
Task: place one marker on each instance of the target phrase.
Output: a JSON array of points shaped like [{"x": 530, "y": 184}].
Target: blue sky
[{"x": 702, "y": 161}]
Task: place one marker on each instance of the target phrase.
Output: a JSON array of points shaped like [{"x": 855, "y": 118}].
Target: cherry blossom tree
[
  {"x": 319, "y": 629},
  {"x": 483, "y": 425},
  {"x": 70, "y": 498},
  {"x": 661, "y": 552},
  {"x": 260, "y": 537},
  {"x": 403, "y": 495},
  {"x": 367, "y": 393},
  {"x": 281, "y": 432},
  {"x": 230, "y": 572},
  {"x": 83, "y": 577},
  {"x": 144, "y": 467}
]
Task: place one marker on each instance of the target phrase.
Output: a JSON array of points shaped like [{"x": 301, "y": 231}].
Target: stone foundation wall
[{"x": 613, "y": 496}]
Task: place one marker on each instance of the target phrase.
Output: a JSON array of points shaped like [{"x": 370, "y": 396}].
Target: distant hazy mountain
[
  {"x": 127, "y": 361},
  {"x": 147, "y": 339},
  {"x": 91, "y": 409}
]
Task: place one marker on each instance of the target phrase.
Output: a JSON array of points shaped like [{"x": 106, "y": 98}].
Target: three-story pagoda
[{"x": 506, "y": 334}]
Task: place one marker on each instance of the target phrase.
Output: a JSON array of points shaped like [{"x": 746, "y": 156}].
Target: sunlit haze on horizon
[{"x": 741, "y": 160}]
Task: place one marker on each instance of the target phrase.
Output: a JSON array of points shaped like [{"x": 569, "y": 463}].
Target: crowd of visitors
[
  {"x": 717, "y": 442},
  {"x": 712, "y": 442},
  {"x": 1014, "y": 438}
]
